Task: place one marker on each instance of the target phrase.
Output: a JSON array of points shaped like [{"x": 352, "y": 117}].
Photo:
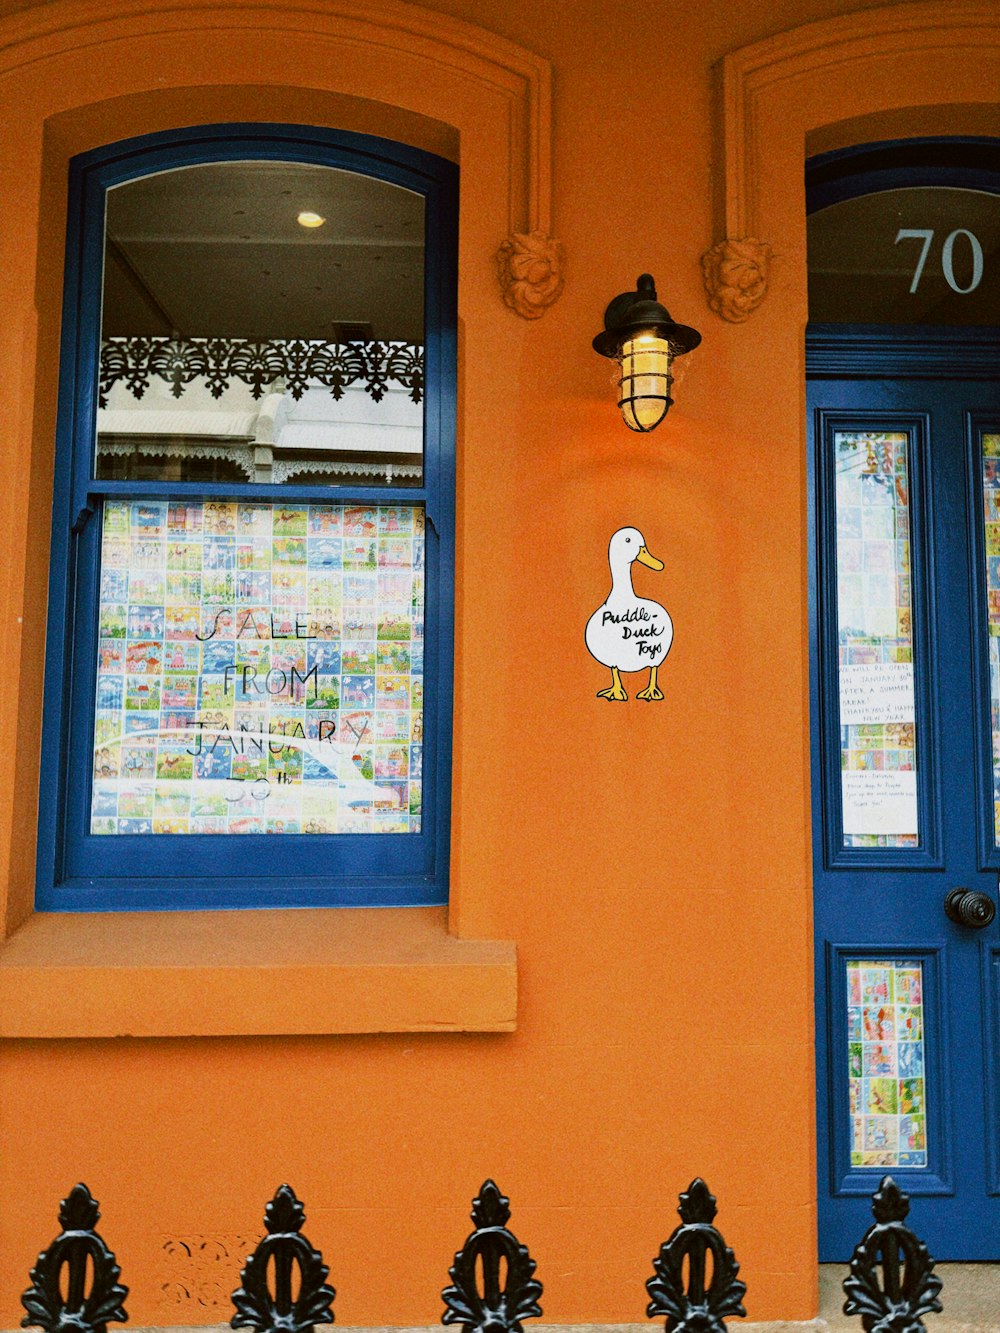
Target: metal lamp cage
[
  {"x": 640, "y": 335},
  {"x": 645, "y": 381}
]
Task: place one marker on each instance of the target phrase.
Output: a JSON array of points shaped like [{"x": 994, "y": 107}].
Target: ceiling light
[{"x": 309, "y": 219}]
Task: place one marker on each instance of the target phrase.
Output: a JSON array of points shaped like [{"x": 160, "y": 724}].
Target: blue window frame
[{"x": 80, "y": 870}]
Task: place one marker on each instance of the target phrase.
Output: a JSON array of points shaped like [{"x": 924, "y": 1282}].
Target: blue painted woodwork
[
  {"x": 77, "y": 871},
  {"x": 887, "y": 903},
  {"x": 940, "y": 386},
  {"x": 917, "y": 428},
  {"x": 846, "y": 173}
]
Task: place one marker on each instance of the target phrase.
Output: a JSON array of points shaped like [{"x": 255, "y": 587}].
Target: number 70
[{"x": 947, "y": 249}]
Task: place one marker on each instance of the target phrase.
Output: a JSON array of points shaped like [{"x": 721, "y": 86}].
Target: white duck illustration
[{"x": 628, "y": 633}]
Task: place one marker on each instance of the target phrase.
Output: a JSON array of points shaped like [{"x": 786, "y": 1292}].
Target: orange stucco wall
[{"x": 651, "y": 862}]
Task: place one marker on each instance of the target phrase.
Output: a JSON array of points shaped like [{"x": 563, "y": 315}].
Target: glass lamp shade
[{"x": 645, "y": 380}]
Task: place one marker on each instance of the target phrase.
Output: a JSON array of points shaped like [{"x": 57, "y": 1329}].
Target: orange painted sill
[{"x": 221, "y": 974}]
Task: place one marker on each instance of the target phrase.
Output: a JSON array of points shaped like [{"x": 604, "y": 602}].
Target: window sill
[{"x": 266, "y": 973}]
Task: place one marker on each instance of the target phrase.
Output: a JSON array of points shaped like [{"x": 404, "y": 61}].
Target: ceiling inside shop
[{"x": 217, "y": 251}]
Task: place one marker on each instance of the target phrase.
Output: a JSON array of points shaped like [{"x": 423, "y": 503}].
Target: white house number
[{"x": 947, "y": 253}]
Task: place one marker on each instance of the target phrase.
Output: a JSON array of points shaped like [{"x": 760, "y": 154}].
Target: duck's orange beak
[{"x": 645, "y": 558}]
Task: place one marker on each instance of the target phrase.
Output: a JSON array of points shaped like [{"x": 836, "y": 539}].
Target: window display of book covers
[
  {"x": 878, "y": 747},
  {"x": 991, "y": 522},
  {"x": 887, "y": 1079},
  {"x": 260, "y": 668}
]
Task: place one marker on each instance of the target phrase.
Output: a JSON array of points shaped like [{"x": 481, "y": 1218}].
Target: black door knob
[{"x": 969, "y": 907}]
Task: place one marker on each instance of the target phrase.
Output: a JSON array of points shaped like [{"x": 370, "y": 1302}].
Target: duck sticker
[{"x": 629, "y": 633}]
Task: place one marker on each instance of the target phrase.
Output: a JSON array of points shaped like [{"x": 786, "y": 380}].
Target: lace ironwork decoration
[
  {"x": 80, "y": 1310},
  {"x": 695, "y": 1306},
  {"x": 268, "y": 1310},
  {"x": 494, "y": 1309},
  {"x": 891, "y": 1282},
  {"x": 296, "y": 362}
]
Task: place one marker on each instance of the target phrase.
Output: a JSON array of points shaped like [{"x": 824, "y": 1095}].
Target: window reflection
[
  {"x": 241, "y": 343},
  {"x": 922, "y": 255}
]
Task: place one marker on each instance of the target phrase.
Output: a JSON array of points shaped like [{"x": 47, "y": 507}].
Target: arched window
[{"x": 250, "y": 622}]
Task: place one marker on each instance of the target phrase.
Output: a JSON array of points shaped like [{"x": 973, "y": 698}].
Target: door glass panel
[
  {"x": 886, "y": 1059},
  {"x": 260, "y": 668},
  {"x": 921, "y": 255},
  {"x": 990, "y": 456},
  {"x": 875, "y": 640},
  {"x": 262, "y": 322}
]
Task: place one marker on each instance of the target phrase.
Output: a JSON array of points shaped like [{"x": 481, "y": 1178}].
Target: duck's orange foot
[
  {"x": 652, "y": 692},
  {"x": 616, "y": 690}
]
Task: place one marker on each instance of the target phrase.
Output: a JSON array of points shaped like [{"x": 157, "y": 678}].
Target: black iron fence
[{"x": 694, "y": 1288}]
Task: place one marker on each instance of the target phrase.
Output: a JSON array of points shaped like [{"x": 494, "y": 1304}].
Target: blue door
[
  {"x": 904, "y": 477},
  {"x": 905, "y": 626}
]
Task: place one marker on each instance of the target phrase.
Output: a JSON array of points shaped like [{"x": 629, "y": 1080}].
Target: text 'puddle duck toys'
[{"x": 628, "y": 633}]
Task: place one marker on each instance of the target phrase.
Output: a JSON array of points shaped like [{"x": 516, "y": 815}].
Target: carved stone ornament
[
  {"x": 891, "y": 1282},
  {"x": 692, "y": 1305},
  {"x": 494, "y": 1309},
  {"x": 530, "y": 268},
  {"x": 79, "y": 1310},
  {"x": 736, "y": 274},
  {"x": 196, "y": 1273},
  {"x": 271, "y": 1308}
]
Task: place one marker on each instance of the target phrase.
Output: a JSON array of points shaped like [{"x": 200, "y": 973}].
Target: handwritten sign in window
[
  {"x": 879, "y": 803},
  {"x": 876, "y": 692},
  {"x": 260, "y": 669}
]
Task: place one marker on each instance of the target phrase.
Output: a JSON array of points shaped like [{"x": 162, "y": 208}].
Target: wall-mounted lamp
[{"x": 640, "y": 335}]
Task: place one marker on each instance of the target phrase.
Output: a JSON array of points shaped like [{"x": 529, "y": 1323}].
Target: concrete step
[{"x": 970, "y": 1296}]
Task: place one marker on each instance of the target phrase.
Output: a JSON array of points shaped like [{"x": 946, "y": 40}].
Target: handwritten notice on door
[
  {"x": 880, "y": 802},
  {"x": 877, "y": 693}
]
